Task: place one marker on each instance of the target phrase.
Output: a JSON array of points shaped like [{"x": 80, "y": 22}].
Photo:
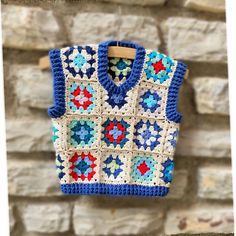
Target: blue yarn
[
  {"x": 59, "y": 107},
  {"x": 135, "y": 75},
  {"x": 173, "y": 93},
  {"x": 114, "y": 189}
]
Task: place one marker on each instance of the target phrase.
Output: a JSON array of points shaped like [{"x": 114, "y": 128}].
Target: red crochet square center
[
  {"x": 158, "y": 66},
  {"x": 143, "y": 168}
]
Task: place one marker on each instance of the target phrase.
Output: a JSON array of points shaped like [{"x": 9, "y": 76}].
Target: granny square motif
[{"x": 115, "y": 122}]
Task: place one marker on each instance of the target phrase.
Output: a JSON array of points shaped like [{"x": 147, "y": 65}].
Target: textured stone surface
[
  {"x": 200, "y": 220},
  {"x": 82, "y": 31},
  {"x": 28, "y": 135},
  {"x": 32, "y": 178},
  {"x": 216, "y": 6},
  {"x": 98, "y": 28},
  {"x": 215, "y": 183},
  {"x": 11, "y": 218},
  {"x": 46, "y": 217},
  {"x": 111, "y": 221},
  {"x": 29, "y": 28},
  {"x": 211, "y": 95},
  {"x": 179, "y": 184},
  {"x": 145, "y": 32},
  {"x": 204, "y": 143},
  {"x": 38, "y": 92},
  {"x": 138, "y": 2},
  {"x": 196, "y": 40}
]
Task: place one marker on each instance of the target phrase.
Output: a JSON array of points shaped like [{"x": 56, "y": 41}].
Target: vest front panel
[{"x": 114, "y": 121}]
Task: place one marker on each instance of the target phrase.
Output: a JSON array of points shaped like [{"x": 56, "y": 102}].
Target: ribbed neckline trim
[{"x": 135, "y": 74}]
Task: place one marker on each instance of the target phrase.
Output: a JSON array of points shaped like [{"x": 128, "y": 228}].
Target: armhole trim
[
  {"x": 59, "y": 108},
  {"x": 173, "y": 93}
]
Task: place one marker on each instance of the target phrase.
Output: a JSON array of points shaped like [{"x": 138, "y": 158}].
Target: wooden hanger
[
  {"x": 122, "y": 52},
  {"x": 113, "y": 51}
]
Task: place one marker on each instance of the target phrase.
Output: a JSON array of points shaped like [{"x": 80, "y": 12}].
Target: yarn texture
[{"x": 115, "y": 123}]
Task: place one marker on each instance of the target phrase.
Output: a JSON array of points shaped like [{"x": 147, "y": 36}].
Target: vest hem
[{"x": 114, "y": 189}]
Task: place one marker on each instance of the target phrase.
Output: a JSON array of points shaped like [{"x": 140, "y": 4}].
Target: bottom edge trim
[{"x": 114, "y": 189}]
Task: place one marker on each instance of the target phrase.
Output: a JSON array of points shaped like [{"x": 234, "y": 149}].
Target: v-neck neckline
[{"x": 135, "y": 73}]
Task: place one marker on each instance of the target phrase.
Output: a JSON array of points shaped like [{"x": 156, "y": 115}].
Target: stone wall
[{"x": 192, "y": 30}]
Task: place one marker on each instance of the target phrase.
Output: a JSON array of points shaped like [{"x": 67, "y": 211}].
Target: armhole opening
[
  {"x": 173, "y": 93},
  {"x": 58, "y": 108}
]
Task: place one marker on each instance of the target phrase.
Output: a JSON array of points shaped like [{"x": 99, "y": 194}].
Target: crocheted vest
[{"x": 114, "y": 121}]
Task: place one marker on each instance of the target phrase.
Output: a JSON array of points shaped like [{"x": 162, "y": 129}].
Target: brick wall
[{"x": 192, "y": 30}]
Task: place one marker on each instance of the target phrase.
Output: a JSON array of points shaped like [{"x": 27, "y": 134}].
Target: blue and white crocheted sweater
[{"x": 114, "y": 121}]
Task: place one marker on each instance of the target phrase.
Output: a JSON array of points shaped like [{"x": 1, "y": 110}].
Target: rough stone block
[
  {"x": 32, "y": 178},
  {"x": 30, "y": 28},
  {"x": 199, "y": 220},
  {"x": 46, "y": 217},
  {"x": 211, "y": 95},
  {"x": 114, "y": 221},
  {"x": 215, "y": 183},
  {"x": 204, "y": 143},
  {"x": 216, "y": 6},
  {"x": 142, "y": 30},
  {"x": 98, "y": 29},
  {"x": 196, "y": 40},
  {"x": 33, "y": 86},
  {"x": 28, "y": 135}
]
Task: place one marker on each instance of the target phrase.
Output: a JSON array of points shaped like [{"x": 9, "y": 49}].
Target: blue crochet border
[
  {"x": 59, "y": 107},
  {"x": 172, "y": 98},
  {"x": 114, "y": 189}
]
